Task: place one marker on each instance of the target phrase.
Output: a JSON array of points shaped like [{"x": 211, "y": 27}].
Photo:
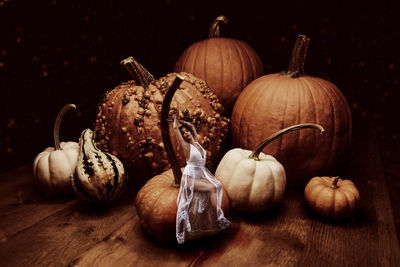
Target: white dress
[{"x": 196, "y": 217}]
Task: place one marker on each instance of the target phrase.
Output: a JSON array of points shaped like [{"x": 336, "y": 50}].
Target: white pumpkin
[
  {"x": 252, "y": 185},
  {"x": 255, "y": 182},
  {"x": 54, "y": 167}
]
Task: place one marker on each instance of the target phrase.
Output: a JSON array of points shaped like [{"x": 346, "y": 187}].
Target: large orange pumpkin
[
  {"x": 128, "y": 120},
  {"x": 275, "y": 101},
  {"x": 226, "y": 64}
]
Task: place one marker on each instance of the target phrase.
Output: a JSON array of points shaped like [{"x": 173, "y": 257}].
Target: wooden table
[{"x": 35, "y": 230}]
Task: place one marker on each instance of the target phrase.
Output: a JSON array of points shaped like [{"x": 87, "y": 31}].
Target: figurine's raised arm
[{"x": 178, "y": 134}]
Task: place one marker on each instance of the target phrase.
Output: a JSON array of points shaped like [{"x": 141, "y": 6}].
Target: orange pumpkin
[
  {"x": 156, "y": 200},
  {"x": 275, "y": 101},
  {"x": 226, "y": 64},
  {"x": 332, "y": 197},
  {"x": 128, "y": 120}
]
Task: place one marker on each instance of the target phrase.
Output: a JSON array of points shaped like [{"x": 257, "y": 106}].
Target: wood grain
[
  {"x": 21, "y": 205},
  {"x": 40, "y": 231}
]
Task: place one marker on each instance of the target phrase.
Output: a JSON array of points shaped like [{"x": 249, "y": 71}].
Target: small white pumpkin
[
  {"x": 255, "y": 182},
  {"x": 53, "y": 167}
]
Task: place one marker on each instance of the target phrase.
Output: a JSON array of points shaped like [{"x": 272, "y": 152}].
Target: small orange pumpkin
[
  {"x": 332, "y": 197},
  {"x": 156, "y": 200},
  {"x": 226, "y": 64},
  {"x": 275, "y": 101}
]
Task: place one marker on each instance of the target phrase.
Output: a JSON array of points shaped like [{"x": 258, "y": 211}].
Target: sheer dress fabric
[{"x": 196, "y": 216}]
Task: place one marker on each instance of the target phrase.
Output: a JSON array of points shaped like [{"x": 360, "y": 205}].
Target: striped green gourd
[{"x": 99, "y": 177}]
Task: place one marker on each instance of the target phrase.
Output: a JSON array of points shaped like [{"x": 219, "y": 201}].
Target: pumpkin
[
  {"x": 156, "y": 200},
  {"x": 332, "y": 197},
  {"x": 278, "y": 100},
  {"x": 255, "y": 182},
  {"x": 128, "y": 120},
  {"x": 226, "y": 64},
  {"x": 53, "y": 167},
  {"x": 100, "y": 177}
]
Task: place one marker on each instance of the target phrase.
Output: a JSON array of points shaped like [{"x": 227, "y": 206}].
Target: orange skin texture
[
  {"x": 273, "y": 102},
  {"x": 157, "y": 208},
  {"x": 227, "y": 65},
  {"x": 331, "y": 203}
]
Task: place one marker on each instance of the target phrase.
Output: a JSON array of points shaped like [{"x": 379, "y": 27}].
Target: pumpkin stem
[
  {"x": 56, "y": 130},
  {"x": 334, "y": 183},
  {"x": 214, "y": 29},
  {"x": 298, "y": 57},
  {"x": 137, "y": 71},
  {"x": 256, "y": 152},
  {"x": 165, "y": 129}
]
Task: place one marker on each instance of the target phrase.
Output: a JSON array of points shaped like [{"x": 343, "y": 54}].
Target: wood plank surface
[{"x": 39, "y": 231}]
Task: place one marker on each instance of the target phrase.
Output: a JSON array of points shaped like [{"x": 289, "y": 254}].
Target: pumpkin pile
[{"x": 131, "y": 134}]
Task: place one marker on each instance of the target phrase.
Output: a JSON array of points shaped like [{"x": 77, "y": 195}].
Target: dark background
[{"x": 57, "y": 52}]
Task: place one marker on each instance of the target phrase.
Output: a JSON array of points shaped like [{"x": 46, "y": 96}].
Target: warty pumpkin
[
  {"x": 226, "y": 64},
  {"x": 332, "y": 197},
  {"x": 128, "y": 120},
  {"x": 275, "y": 101},
  {"x": 156, "y": 201},
  {"x": 254, "y": 181},
  {"x": 53, "y": 168}
]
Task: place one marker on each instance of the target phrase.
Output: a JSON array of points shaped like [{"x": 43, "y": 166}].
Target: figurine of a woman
[{"x": 199, "y": 201}]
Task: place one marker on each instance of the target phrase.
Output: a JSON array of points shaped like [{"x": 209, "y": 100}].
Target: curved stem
[
  {"x": 256, "y": 152},
  {"x": 165, "y": 129},
  {"x": 298, "y": 57},
  {"x": 334, "y": 183},
  {"x": 56, "y": 129},
  {"x": 137, "y": 71},
  {"x": 214, "y": 29}
]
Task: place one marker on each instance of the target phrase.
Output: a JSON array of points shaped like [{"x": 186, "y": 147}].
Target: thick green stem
[
  {"x": 165, "y": 129},
  {"x": 214, "y": 29},
  {"x": 334, "y": 183},
  {"x": 56, "y": 130},
  {"x": 137, "y": 71},
  {"x": 298, "y": 57},
  {"x": 256, "y": 152}
]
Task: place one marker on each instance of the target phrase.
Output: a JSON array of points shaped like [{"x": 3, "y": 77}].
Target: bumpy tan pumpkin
[
  {"x": 226, "y": 64},
  {"x": 128, "y": 120},
  {"x": 156, "y": 201},
  {"x": 332, "y": 197},
  {"x": 275, "y": 101}
]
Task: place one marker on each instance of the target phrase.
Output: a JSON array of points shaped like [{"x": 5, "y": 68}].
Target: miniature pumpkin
[
  {"x": 53, "y": 168},
  {"x": 332, "y": 197},
  {"x": 254, "y": 181},
  {"x": 156, "y": 200},
  {"x": 100, "y": 177},
  {"x": 226, "y": 64},
  {"x": 128, "y": 122},
  {"x": 275, "y": 101}
]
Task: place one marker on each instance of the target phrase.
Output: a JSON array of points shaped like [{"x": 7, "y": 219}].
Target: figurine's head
[{"x": 187, "y": 134}]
